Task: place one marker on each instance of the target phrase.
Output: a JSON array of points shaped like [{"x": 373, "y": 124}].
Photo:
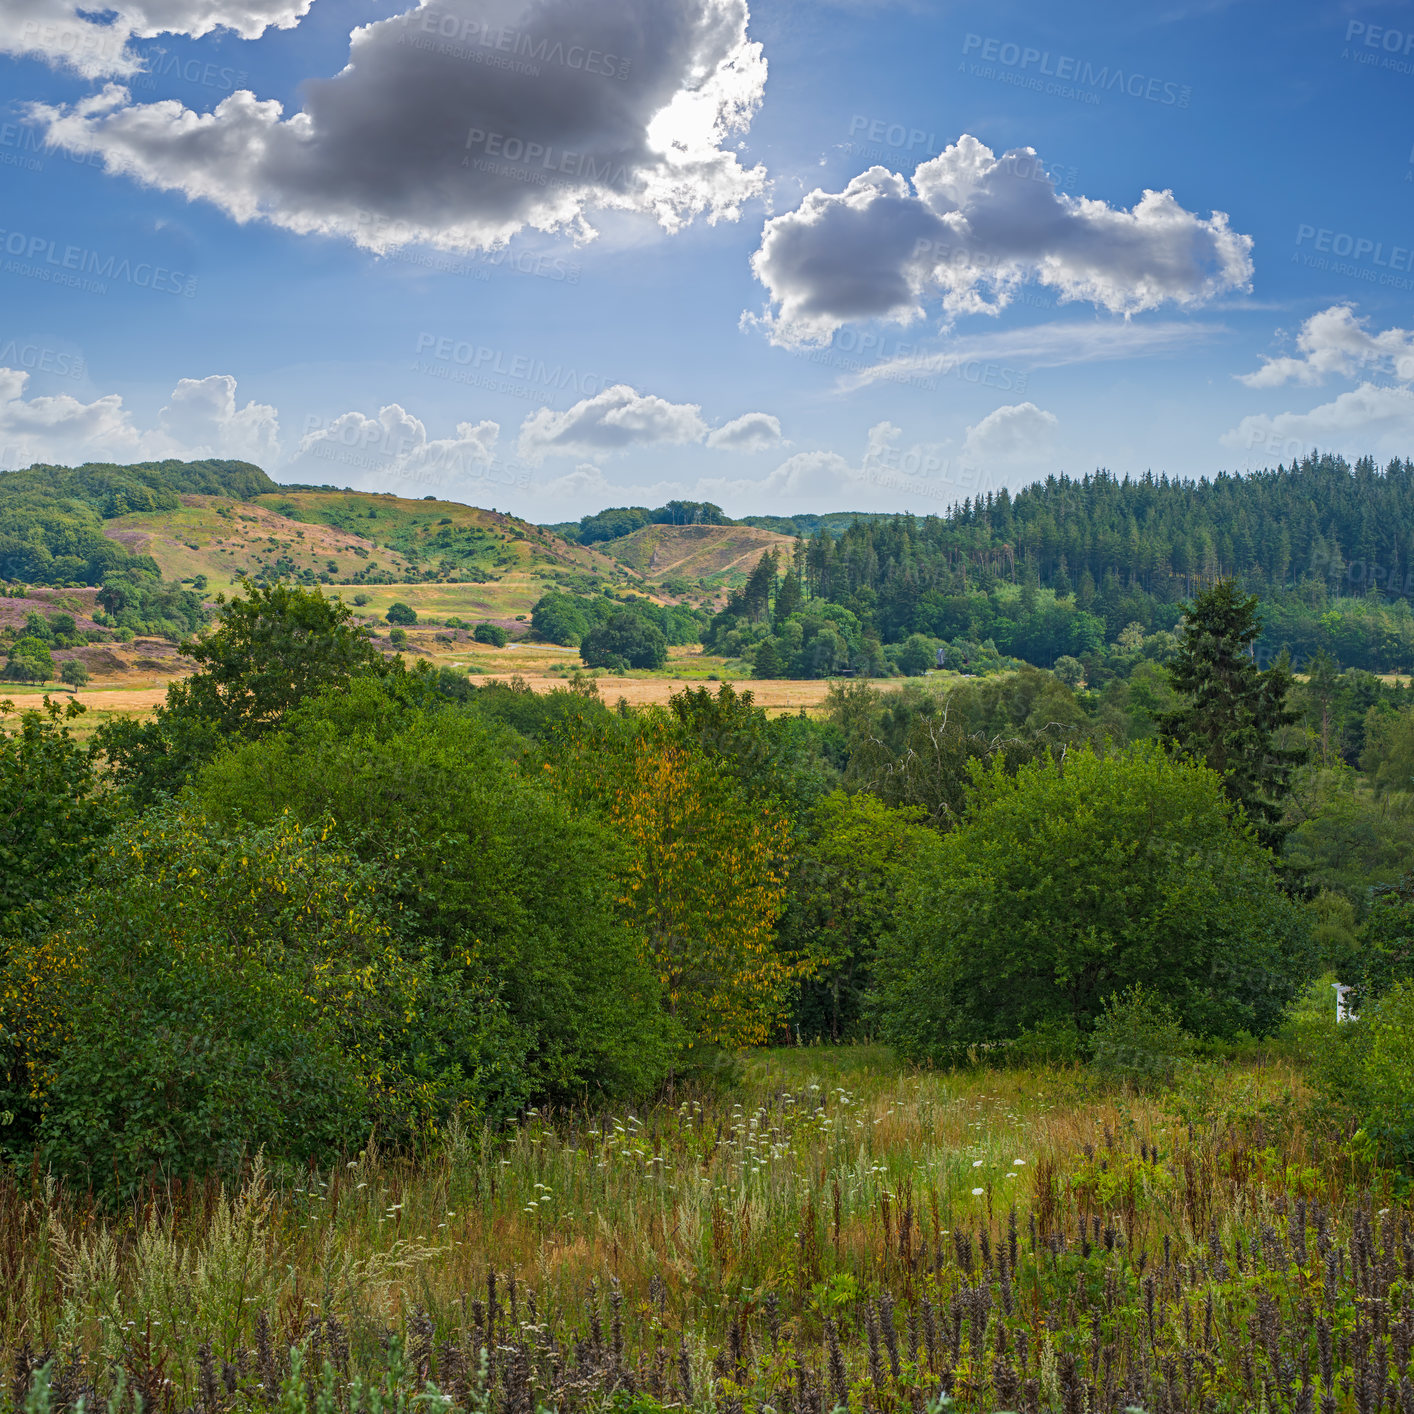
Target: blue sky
[{"x": 551, "y": 256}]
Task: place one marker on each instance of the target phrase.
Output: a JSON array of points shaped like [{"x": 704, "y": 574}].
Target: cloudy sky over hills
[{"x": 555, "y": 255}]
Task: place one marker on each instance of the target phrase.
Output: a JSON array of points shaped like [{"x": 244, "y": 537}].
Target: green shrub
[
  {"x": 211, "y": 995},
  {"x": 1053, "y": 1042},
  {"x": 1074, "y": 880},
  {"x": 512, "y": 889},
  {"x": 400, "y": 613},
  {"x": 1365, "y": 1075},
  {"x": 1138, "y": 1041},
  {"x": 398, "y": 637},
  {"x": 493, "y": 634},
  {"x": 1386, "y": 940}
]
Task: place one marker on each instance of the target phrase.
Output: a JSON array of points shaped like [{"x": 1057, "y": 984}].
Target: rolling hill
[{"x": 720, "y": 553}]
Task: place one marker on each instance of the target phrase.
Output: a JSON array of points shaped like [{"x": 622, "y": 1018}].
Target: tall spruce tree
[{"x": 1233, "y": 710}]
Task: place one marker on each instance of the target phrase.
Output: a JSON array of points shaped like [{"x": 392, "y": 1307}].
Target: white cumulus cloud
[
  {"x": 1336, "y": 342},
  {"x": 611, "y": 421},
  {"x": 1366, "y": 420},
  {"x": 202, "y": 419},
  {"x": 463, "y": 122},
  {"x": 752, "y": 432},
  {"x": 968, "y": 232},
  {"x": 395, "y": 447},
  {"x": 95, "y": 39},
  {"x": 621, "y": 417},
  {"x": 1015, "y": 435}
]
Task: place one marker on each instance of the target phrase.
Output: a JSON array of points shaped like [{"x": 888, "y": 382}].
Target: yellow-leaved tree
[{"x": 702, "y": 873}]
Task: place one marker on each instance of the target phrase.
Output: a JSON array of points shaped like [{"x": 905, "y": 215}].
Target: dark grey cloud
[{"x": 463, "y": 122}]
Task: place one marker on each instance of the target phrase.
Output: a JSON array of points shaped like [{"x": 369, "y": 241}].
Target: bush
[
  {"x": 512, "y": 888},
  {"x": 400, "y": 613},
  {"x": 1386, "y": 939},
  {"x": 627, "y": 640},
  {"x": 209, "y": 996},
  {"x": 1138, "y": 1041},
  {"x": 398, "y": 637},
  {"x": 1075, "y": 880},
  {"x": 29, "y": 661},
  {"x": 1365, "y": 1074},
  {"x": 74, "y": 673},
  {"x": 493, "y": 634}
]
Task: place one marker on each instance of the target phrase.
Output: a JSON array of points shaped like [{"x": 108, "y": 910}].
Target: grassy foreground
[{"x": 836, "y": 1230}]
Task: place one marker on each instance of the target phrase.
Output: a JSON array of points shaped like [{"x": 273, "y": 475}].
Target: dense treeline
[
  {"x": 1065, "y": 568},
  {"x": 51, "y": 517}
]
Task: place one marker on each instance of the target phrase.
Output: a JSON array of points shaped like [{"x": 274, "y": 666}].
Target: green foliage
[
  {"x": 398, "y": 637},
  {"x": 1078, "y": 878},
  {"x": 1386, "y": 941},
  {"x": 490, "y": 633},
  {"x": 404, "y": 615},
  {"x": 51, "y": 517},
  {"x": 617, "y": 521},
  {"x": 626, "y": 640},
  {"x": 276, "y": 646},
  {"x": 492, "y": 870},
  {"x": 851, "y": 868},
  {"x": 1137, "y": 1040},
  {"x": 74, "y": 673},
  {"x": 225, "y": 995},
  {"x": 1233, "y": 710},
  {"x": 566, "y": 619},
  {"x": 1344, "y": 834},
  {"x": 1333, "y": 934},
  {"x": 53, "y": 812},
  {"x": 29, "y": 660},
  {"x": 1365, "y": 1073}
]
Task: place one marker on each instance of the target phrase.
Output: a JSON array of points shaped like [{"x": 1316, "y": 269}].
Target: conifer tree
[{"x": 1232, "y": 710}]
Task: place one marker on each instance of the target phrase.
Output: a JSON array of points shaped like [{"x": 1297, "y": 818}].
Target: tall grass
[{"x": 834, "y": 1230}]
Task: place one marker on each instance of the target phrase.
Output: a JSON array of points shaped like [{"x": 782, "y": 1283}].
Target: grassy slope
[
  {"x": 712, "y": 552},
  {"x": 503, "y": 564}
]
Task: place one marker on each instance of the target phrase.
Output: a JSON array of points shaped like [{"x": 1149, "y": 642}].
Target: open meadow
[{"x": 828, "y": 1228}]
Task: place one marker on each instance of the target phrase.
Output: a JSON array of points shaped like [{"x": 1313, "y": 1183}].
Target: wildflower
[
  {"x": 978, "y": 1192},
  {"x": 1019, "y": 1162},
  {"x": 977, "y": 1163}
]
